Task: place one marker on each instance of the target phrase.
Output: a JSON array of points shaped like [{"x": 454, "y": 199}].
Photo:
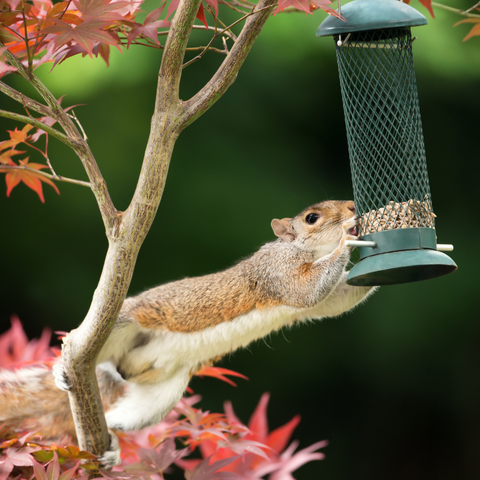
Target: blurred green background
[{"x": 394, "y": 385}]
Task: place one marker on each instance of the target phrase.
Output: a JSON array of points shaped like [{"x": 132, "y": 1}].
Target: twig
[
  {"x": 77, "y": 121},
  {"x": 29, "y": 58},
  {"x": 124, "y": 42},
  {"x": 25, "y": 101},
  {"x": 6, "y": 168},
  {"x": 44, "y": 154},
  {"x": 36, "y": 123},
  {"x": 212, "y": 49},
  {"x": 228, "y": 33},
  {"x": 464, "y": 13},
  {"x": 238, "y": 6},
  {"x": 203, "y": 27},
  {"x": 471, "y": 8},
  {"x": 46, "y": 157},
  {"x": 202, "y": 53},
  {"x": 227, "y": 28},
  {"x": 225, "y": 46}
]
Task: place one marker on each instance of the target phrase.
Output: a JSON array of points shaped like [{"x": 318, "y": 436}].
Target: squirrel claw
[
  {"x": 61, "y": 379},
  {"x": 112, "y": 456}
]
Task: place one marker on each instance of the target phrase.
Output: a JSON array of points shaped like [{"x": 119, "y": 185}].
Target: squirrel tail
[{"x": 30, "y": 401}]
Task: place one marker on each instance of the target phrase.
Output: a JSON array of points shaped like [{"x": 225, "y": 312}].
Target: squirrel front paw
[
  {"x": 61, "y": 379},
  {"x": 112, "y": 456}
]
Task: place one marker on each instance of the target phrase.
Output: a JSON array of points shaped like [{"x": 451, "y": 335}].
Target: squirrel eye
[{"x": 311, "y": 218}]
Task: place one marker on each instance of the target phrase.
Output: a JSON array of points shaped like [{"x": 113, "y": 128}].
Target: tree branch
[
  {"x": 177, "y": 39},
  {"x": 5, "y": 168},
  {"x": 25, "y": 101},
  {"x": 37, "y": 123},
  {"x": 165, "y": 127},
  {"x": 458, "y": 11},
  {"x": 228, "y": 70}
]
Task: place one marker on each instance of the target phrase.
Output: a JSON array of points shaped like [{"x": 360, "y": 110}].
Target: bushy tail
[{"x": 30, "y": 401}]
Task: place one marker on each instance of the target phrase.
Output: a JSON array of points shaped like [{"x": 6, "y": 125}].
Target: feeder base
[{"x": 400, "y": 267}]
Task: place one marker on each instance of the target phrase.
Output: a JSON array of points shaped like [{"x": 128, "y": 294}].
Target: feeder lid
[{"x": 371, "y": 15}]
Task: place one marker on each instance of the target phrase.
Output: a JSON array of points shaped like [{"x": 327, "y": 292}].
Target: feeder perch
[{"x": 385, "y": 143}]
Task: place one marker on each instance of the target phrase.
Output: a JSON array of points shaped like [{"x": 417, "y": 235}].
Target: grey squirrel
[{"x": 165, "y": 335}]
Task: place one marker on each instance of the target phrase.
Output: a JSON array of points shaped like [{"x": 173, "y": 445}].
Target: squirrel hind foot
[
  {"x": 61, "y": 379},
  {"x": 112, "y": 456}
]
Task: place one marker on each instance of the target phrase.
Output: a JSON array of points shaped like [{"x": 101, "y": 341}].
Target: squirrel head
[{"x": 319, "y": 228}]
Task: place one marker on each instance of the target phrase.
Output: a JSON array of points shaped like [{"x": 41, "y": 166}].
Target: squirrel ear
[{"x": 283, "y": 229}]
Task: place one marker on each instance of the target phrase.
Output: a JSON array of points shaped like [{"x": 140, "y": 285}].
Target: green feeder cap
[{"x": 371, "y": 15}]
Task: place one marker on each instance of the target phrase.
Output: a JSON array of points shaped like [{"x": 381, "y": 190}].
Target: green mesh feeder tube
[{"x": 385, "y": 143}]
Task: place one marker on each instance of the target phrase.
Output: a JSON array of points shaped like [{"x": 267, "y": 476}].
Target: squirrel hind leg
[
  {"x": 112, "y": 456},
  {"x": 147, "y": 404}
]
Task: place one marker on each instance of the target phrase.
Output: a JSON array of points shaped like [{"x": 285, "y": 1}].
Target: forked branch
[
  {"x": 228, "y": 70},
  {"x": 83, "y": 345}
]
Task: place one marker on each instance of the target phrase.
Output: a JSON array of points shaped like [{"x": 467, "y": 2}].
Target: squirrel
[{"x": 166, "y": 334}]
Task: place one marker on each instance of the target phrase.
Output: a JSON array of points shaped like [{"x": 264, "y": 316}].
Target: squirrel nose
[{"x": 351, "y": 206}]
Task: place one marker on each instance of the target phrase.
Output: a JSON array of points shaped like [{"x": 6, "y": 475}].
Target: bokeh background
[{"x": 394, "y": 386}]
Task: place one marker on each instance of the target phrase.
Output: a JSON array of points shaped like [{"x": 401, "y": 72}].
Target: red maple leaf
[
  {"x": 149, "y": 28},
  {"x": 6, "y": 157},
  {"x": 30, "y": 179},
  {"x": 16, "y": 350},
  {"x": 308, "y": 6},
  {"x": 298, "y": 4},
  {"x": 426, "y": 3},
  {"x": 204, "y": 471},
  {"x": 475, "y": 29},
  {"x": 20, "y": 457},
  {"x": 219, "y": 373},
  {"x": 16, "y": 136},
  {"x": 53, "y": 471},
  {"x": 101, "y": 9},
  {"x": 201, "y": 12},
  {"x": 262, "y": 452},
  {"x": 86, "y": 35}
]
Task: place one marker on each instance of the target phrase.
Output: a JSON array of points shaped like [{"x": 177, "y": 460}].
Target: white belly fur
[
  {"x": 172, "y": 351},
  {"x": 175, "y": 355}
]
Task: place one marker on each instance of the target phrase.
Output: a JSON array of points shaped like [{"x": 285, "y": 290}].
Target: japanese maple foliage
[
  {"x": 17, "y": 351},
  {"x": 40, "y": 31},
  {"x": 229, "y": 448}
]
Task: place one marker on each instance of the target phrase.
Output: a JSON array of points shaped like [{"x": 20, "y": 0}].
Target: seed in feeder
[{"x": 410, "y": 214}]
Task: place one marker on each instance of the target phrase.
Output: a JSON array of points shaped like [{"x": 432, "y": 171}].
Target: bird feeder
[{"x": 385, "y": 142}]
